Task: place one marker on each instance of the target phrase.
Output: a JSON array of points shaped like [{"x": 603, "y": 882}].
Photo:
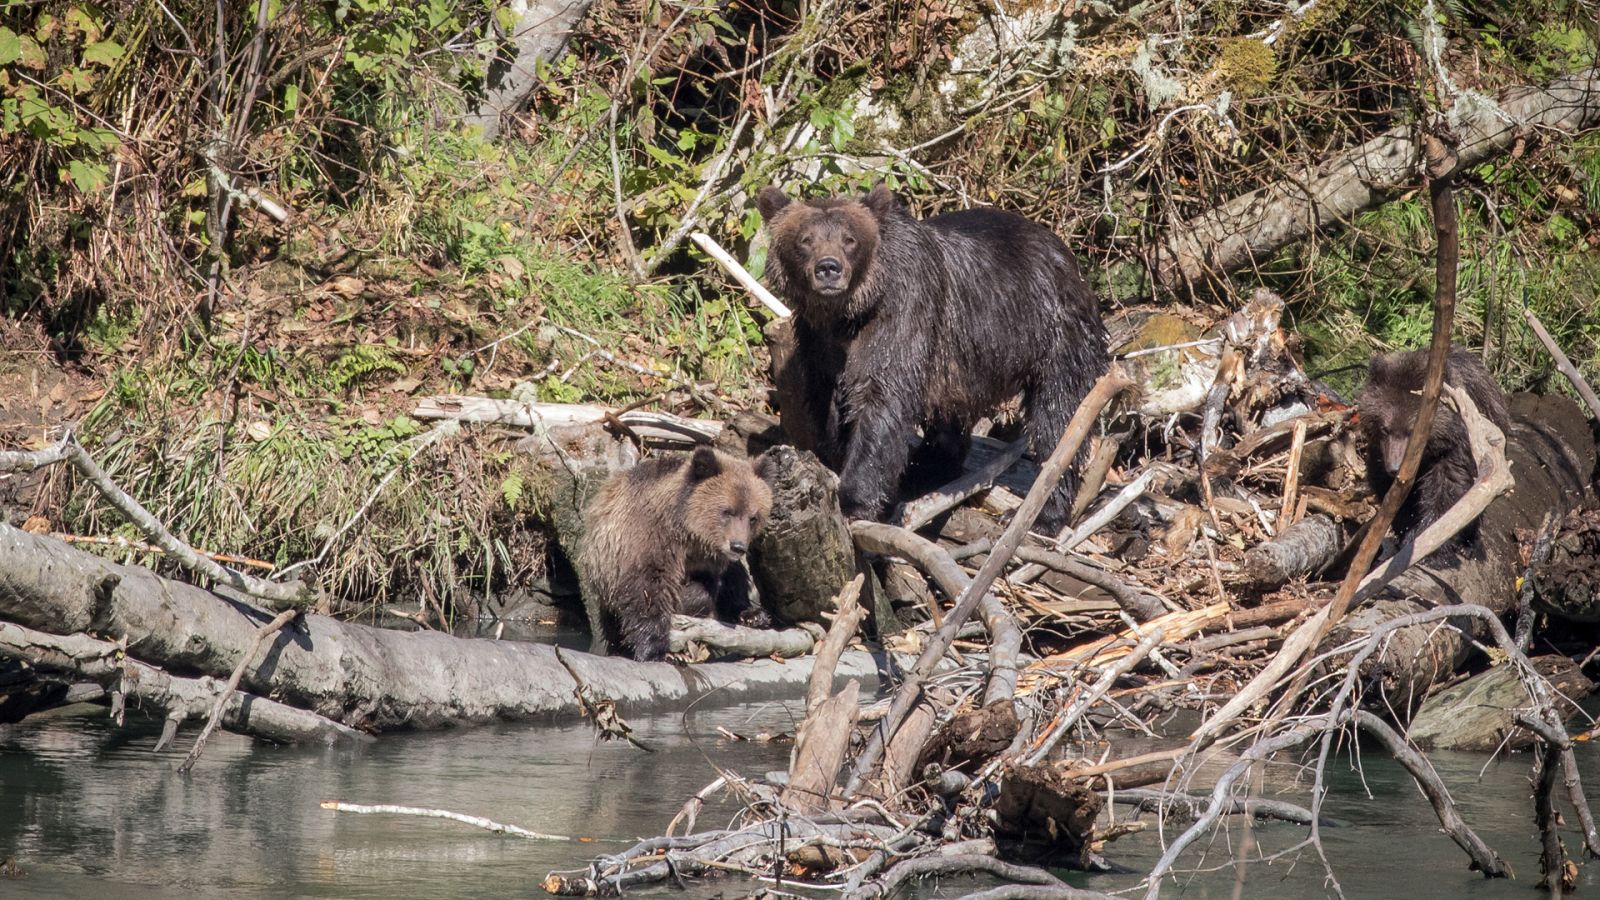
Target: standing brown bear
[
  {"x": 1388, "y": 406},
  {"x": 669, "y": 536},
  {"x": 901, "y": 323}
]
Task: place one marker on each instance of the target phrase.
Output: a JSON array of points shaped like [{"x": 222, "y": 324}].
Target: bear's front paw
[{"x": 755, "y": 617}]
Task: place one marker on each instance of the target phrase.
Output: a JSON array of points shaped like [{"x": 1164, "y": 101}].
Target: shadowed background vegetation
[{"x": 250, "y": 379}]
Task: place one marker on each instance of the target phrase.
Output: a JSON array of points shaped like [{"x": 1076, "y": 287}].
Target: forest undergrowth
[{"x": 250, "y": 376}]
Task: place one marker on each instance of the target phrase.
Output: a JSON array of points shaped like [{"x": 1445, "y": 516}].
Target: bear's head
[
  {"x": 726, "y": 501},
  {"x": 1389, "y": 404},
  {"x": 821, "y": 251}
]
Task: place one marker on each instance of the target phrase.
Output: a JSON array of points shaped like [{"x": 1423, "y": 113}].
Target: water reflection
[
  {"x": 86, "y": 809},
  {"x": 84, "y": 806}
]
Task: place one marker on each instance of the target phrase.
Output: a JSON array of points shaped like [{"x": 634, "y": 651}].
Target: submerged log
[
  {"x": 179, "y": 699},
  {"x": 357, "y": 675},
  {"x": 1481, "y": 712}
]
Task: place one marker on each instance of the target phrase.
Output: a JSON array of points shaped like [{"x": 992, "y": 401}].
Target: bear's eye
[
  {"x": 849, "y": 243},
  {"x": 806, "y": 242},
  {"x": 727, "y": 514}
]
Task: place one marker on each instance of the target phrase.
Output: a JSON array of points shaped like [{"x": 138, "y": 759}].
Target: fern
[{"x": 511, "y": 489}]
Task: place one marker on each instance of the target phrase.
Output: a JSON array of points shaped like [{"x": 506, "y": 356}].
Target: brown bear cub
[
  {"x": 1388, "y": 406},
  {"x": 668, "y": 536},
  {"x": 901, "y": 323}
]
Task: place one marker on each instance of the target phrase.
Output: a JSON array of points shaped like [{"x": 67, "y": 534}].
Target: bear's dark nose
[
  {"x": 828, "y": 269},
  {"x": 738, "y": 548}
]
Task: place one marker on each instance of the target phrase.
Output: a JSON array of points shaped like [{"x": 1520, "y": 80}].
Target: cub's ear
[
  {"x": 881, "y": 200},
  {"x": 771, "y": 201},
  {"x": 704, "y": 464},
  {"x": 765, "y": 465}
]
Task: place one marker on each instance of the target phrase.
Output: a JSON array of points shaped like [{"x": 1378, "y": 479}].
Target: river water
[{"x": 87, "y": 810}]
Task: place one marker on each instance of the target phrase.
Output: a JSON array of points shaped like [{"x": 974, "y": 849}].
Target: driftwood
[
  {"x": 723, "y": 639},
  {"x": 928, "y": 507},
  {"x": 1563, "y": 364},
  {"x": 359, "y": 676},
  {"x": 656, "y": 428},
  {"x": 1299, "y": 551},
  {"x": 819, "y": 748},
  {"x": 1251, "y": 228},
  {"x": 910, "y": 691},
  {"x": 1005, "y": 638},
  {"x": 1442, "y": 165}
]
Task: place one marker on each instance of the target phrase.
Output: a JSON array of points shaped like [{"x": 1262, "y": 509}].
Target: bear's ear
[
  {"x": 704, "y": 464},
  {"x": 881, "y": 200},
  {"x": 764, "y": 466},
  {"x": 771, "y": 201}
]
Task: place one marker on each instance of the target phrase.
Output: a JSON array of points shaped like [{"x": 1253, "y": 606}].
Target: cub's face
[
  {"x": 824, "y": 247},
  {"x": 728, "y": 502},
  {"x": 1389, "y": 405}
]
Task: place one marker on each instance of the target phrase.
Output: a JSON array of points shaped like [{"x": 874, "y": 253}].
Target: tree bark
[
  {"x": 804, "y": 554},
  {"x": 1250, "y": 229},
  {"x": 540, "y": 35},
  {"x": 357, "y": 675}
]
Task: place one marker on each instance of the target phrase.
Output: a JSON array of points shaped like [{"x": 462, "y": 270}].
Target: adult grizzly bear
[
  {"x": 668, "y": 536},
  {"x": 901, "y": 323},
  {"x": 1388, "y": 405}
]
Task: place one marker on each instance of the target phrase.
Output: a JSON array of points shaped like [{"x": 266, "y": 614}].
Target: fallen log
[
  {"x": 1480, "y": 713},
  {"x": 658, "y": 428},
  {"x": 1299, "y": 551},
  {"x": 1251, "y": 228},
  {"x": 364, "y": 677},
  {"x": 724, "y": 640},
  {"x": 180, "y": 699}
]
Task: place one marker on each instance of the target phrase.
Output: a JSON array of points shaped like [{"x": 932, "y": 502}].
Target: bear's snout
[
  {"x": 738, "y": 548},
  {"x": 828, "y": 274}
]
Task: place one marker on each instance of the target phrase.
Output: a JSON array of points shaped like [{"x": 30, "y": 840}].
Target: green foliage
[{"x": 47, "y": 63}]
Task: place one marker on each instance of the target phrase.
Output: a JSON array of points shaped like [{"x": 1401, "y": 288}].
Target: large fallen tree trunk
[
  {"x": 1250, "y": 229},
  {"x": 361, "y": 676}
]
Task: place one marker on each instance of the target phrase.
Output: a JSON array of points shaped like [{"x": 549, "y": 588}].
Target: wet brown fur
[
  {"x": 929, "y": 323},
  {"x": 667, "y": 537},
  {"x": 1389, "y": 404}
]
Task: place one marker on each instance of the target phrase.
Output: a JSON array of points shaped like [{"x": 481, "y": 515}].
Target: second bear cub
[
  {"x": 668, "y": 536},
  {"x": 1389, "y": 404}
]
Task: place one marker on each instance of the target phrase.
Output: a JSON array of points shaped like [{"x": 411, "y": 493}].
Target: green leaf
[
  {"x": 511, "y": 489},
  {"x": 88, "y": 176},
  {"x": 76, "y": 81},
  {"x": 32, "y": 53},
  {"x": 10, "y": 46},
  {"x": 104, "y": 53},
  {"x": 291, "y": 99}
]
